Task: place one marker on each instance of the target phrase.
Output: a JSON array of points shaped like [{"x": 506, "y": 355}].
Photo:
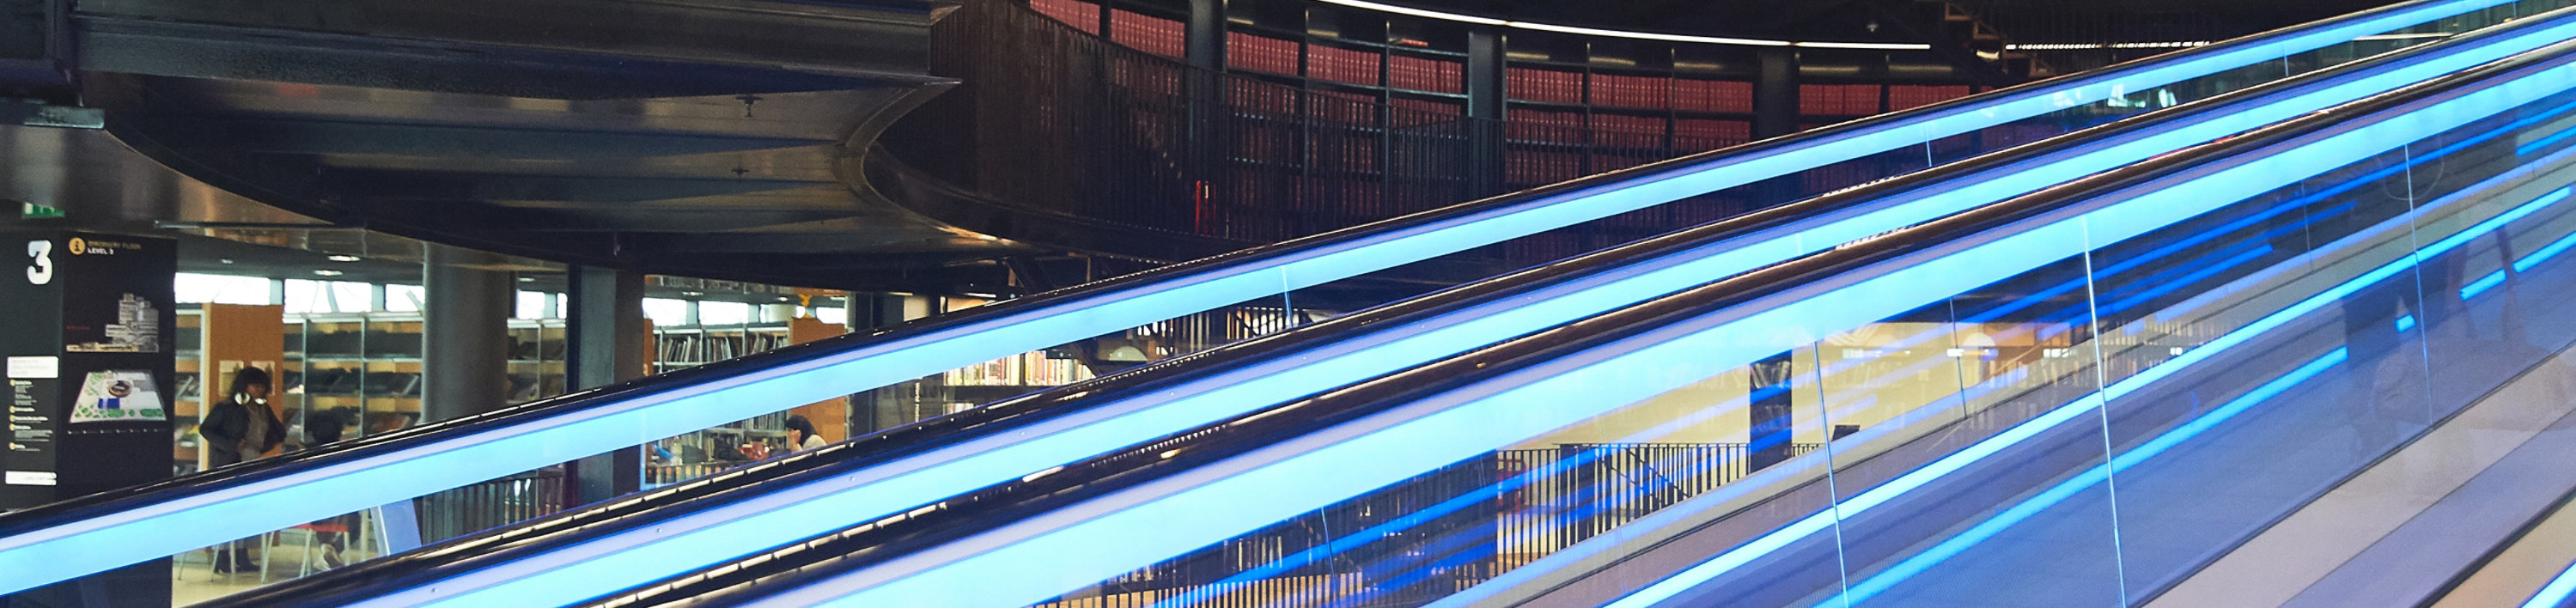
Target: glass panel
[
  {"x": 403, "y": 298},
  {"x": 2437, "y": 254},
  {"x": 2084, "y": 433},
  {"x": 1973, "y": 371},
  {"x": 1743, "y": 446}
]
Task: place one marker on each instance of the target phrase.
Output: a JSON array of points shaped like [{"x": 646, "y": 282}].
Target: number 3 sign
[{"x": 41, "y": 270}]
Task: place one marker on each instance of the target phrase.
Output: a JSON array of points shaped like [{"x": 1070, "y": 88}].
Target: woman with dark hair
[
  {"x": 241, "y": 427},
  {"x": 801, "y": 435}
]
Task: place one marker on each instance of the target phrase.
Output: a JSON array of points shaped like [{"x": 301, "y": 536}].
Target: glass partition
[
  {"x": 2081, "y": 410},
  {"x": 1809, "y": 396}
]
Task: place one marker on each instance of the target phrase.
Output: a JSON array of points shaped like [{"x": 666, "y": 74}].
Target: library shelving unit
[
  {"x": 682, "y": 346},
  {"x": 690, "y": 455},
  {"x": 958, "y": 389},
  {"x": 213, "y": 341},
  {"x": 537, "y": 351},
  {"x": 365, "y": 367}
]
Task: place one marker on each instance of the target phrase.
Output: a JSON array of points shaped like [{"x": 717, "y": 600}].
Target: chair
[{"x": 312, "y": 533}]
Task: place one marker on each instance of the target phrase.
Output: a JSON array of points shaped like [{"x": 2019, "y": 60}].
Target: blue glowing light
[
  {"x": 2536, "y": 145},
  {"x": 640, "y": 557},
  {"x": 2555, "y": 593},
  {"x": 209, "y": 518},
  {"x": 2557, "y": 247},
  {"x": 1764, "y": 545},
  {"x": 2069, "y": 488},
  {"x": 2482, "y": 285},
  {"x": 1168, "y": 520}
]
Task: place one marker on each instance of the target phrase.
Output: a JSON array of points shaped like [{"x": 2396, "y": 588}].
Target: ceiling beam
[{"x": 275, "y": 135}]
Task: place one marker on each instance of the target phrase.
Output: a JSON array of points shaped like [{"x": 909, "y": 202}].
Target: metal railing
[
  {"x": 1518, "y": 503},
  {"x": 490, "y": 504}
]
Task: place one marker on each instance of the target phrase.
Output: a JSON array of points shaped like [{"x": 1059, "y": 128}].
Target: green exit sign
[{"x": 34, "y": 211}]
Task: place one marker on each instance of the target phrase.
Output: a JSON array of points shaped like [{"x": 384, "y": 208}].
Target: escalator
[
  {"x": 982, "y": 446},
  {"x": 571, "y": 557},
  {"x": 2122, "y": 389}
]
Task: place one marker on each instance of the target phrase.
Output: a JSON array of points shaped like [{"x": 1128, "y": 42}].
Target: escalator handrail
[
  {"x": 1079, "y": 482},
  {"x": 473, "y": 552},
  {"x": 506, "y": 544},
  {"x": 15, "y": 524}
]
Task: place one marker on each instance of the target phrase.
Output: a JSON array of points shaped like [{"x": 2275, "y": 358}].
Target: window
[
  {"x": 531, "y": 305},
  {"x": 665, "y": 311},
  {"x": 403, "y": 298},
  {"x": 304, "y": 296},
  {"x": 221, "y": 289},
  {"x": 723, "y": 313}
]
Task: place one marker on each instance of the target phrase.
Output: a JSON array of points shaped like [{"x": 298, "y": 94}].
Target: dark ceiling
[{"x": 2027, "y": 21}]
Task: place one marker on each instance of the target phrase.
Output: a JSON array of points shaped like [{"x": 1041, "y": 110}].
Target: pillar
[
  {"x": 465, "y": 345},
  {"x": 1775, "y": 113},
  {"x": 605, "y": 325},
  {"x": 1484, "y": 86},
  {"x": 1203, "y": 47},
  {"x": 1775, "y": 93},
  {"x": 877, "y": 409},
  {"x": 605, "y": 329}
]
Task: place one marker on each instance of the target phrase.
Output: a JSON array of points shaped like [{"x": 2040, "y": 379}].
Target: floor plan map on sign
[{"x": 118, "y": 395}]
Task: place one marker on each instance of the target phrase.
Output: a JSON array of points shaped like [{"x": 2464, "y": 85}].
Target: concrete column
[
  {"x": 606, "y": 329},
  {"x": 1775, "y": 113},
  {"x": 605, "y": 326},
  {"x": 1775, "y": 93},
  {"x": 876, "y": 409},
  {"x": 465, "y": 345},
  {"x": 1485, "y": 109},
  {"x": 1203, "y": 37}
]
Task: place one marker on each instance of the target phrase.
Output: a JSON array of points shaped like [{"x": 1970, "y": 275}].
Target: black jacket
[{"x": 227, "y": 423}]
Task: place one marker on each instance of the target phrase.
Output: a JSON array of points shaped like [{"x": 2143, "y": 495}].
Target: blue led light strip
[
  {"x": 1384, "y": 532},
  {"x": 2028, "y": 507},
  {"x": 1950, "y": 547},
  {"x": 2555, "y": 593},
  {"x": 57, "y": 554},
  {"x": 1518, "y": 480},
  {"x": 2482, "y": 285},
  {"x": 1155, "y": 529},
  {"x": 2535, "y": 145},
  {"x": 2560, "y": 246},
  {"x": 1762, "y": 546},
  {"x": 564, "y": 580}
]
